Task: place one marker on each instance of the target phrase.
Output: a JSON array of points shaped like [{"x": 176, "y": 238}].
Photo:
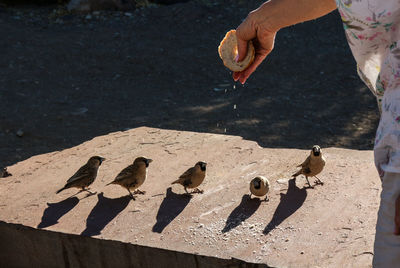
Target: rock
[
  {"x": 168, "y": 2},
  {"x": 282, "y": 181},
  {"x": 80, "y": 111},
  {"x": 175, "y": 215},
  {"x": 79, "y": 6},
  {"x": 216, "y": 89},
  {"x": 85, "y": 6},
  {"x": 20, "y": 133}
]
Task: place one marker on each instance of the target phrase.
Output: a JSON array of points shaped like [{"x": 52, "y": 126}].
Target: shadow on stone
[
  {"x": 172, "y": 205},
  {"x": 55, "y": 211},
  {"x": 290, "y": 202},
  {"x": 105, "y": 211},
  {"x": 242, "y": 212}
]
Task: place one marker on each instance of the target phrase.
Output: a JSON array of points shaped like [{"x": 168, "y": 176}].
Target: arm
[{"x": 262, "y": 24}]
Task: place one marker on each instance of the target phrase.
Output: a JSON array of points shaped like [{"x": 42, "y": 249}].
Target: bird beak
[
  {"x": 316, "y": 151},
  {"x": 148, "y": 161},
  {"x": 102, "y": 159}
]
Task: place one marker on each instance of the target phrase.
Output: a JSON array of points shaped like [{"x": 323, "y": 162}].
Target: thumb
[{"x": 242, "y": 49}]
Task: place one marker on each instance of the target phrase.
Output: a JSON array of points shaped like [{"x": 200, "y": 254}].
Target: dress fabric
[
  {"x": 387, "y": 245},
  {"x": 372, "y": 29}
]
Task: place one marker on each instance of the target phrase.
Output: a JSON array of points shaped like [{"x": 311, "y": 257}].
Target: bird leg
[
  {"x": 186, "y": 190},
  {"x": 309, "y": 185},
  {"x": 130, "y": 193},
  {"x": 198, "y": 191},
  {"x": 87, "y": 190},
  {"x": 266, "y": 198},
  {"x": 137, "y": 191},
  {"x": 318, "y": 181}
]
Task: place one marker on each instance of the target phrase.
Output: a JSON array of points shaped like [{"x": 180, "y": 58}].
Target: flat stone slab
[{"x": 329, "y": 226}]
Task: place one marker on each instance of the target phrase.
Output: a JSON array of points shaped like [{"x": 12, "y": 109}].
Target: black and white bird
[
  {"x": 312, "y": 166},
  {"x": 259, "y": 186}
]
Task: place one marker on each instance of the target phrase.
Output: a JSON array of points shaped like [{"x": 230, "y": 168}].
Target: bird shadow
[
  {"x": 289, "y": 203},
  {"x": 242, "y": 212},
  {"x": 103, "y": 212},
  {"x": 55, "y": 211},
  {"x": 172, "y": 205}
]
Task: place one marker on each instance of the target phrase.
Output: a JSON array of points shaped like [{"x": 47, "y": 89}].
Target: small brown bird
[
  {"x": 133, "y": 176},
  {"x": 193, "y": 177},
  {"x": 259, "y": 186},
  {"x": 4, "y": 173},
  {"x": 85, "y": 175},
  {"x": 312, "y": 166}
]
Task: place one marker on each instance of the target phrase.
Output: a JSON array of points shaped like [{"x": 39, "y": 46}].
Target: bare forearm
[
  {"x": 277, "y": 14},
  {"x": 262, "y": 24}
]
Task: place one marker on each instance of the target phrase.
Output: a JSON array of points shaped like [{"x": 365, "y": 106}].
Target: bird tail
[
  {"x": 177, "y": 181},
  {"x": 296, "y": 174},
  {"x": 62, "y": 189}
]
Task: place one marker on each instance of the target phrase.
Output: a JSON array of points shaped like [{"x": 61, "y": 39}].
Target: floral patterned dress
[{"x": 372, "y": 29}]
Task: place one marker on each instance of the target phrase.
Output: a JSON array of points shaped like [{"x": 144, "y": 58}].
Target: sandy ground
[{"x": 328, "y": 226}]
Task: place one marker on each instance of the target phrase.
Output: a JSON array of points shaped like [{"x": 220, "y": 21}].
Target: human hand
[
  {"x": 262, "y": 24},
  {"x": 397, "y": 217},
  {"x": 263, "y": 40}
]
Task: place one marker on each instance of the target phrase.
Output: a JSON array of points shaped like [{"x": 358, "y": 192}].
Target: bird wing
[
  {"x": 305, "y": 163},
  {"x": 184, "y": 179},
  {"x": 306, "y": 170},
  {"x": 125, "y": 173},
  {"x": 187, "y": 182},
  {"x": 83, "y": 172},
  {"x": 187, "y": 173},
  {"x": 323, "y": 159}
]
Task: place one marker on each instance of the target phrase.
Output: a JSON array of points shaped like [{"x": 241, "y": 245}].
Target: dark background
[{"x": 66, "y": 78}]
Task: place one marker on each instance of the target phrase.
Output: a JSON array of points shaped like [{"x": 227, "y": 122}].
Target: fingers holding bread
[{"x": 228, "y": 52}]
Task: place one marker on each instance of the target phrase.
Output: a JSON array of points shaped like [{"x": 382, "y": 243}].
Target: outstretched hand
[{"x": 263, "y": 41}]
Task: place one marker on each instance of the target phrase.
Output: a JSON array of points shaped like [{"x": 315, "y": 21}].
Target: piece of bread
[{"x": 228, "y": 51}]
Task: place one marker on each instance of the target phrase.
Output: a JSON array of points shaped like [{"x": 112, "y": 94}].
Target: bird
[
  {"x": 85, "y": 175},
  {"x": 259, "y": 186},
  {"x": 312, "y": 166},
  {"x": 133, "y": 176},
  {"x": 4, "y": 173},
  {"x": 193, "y": 177}
]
